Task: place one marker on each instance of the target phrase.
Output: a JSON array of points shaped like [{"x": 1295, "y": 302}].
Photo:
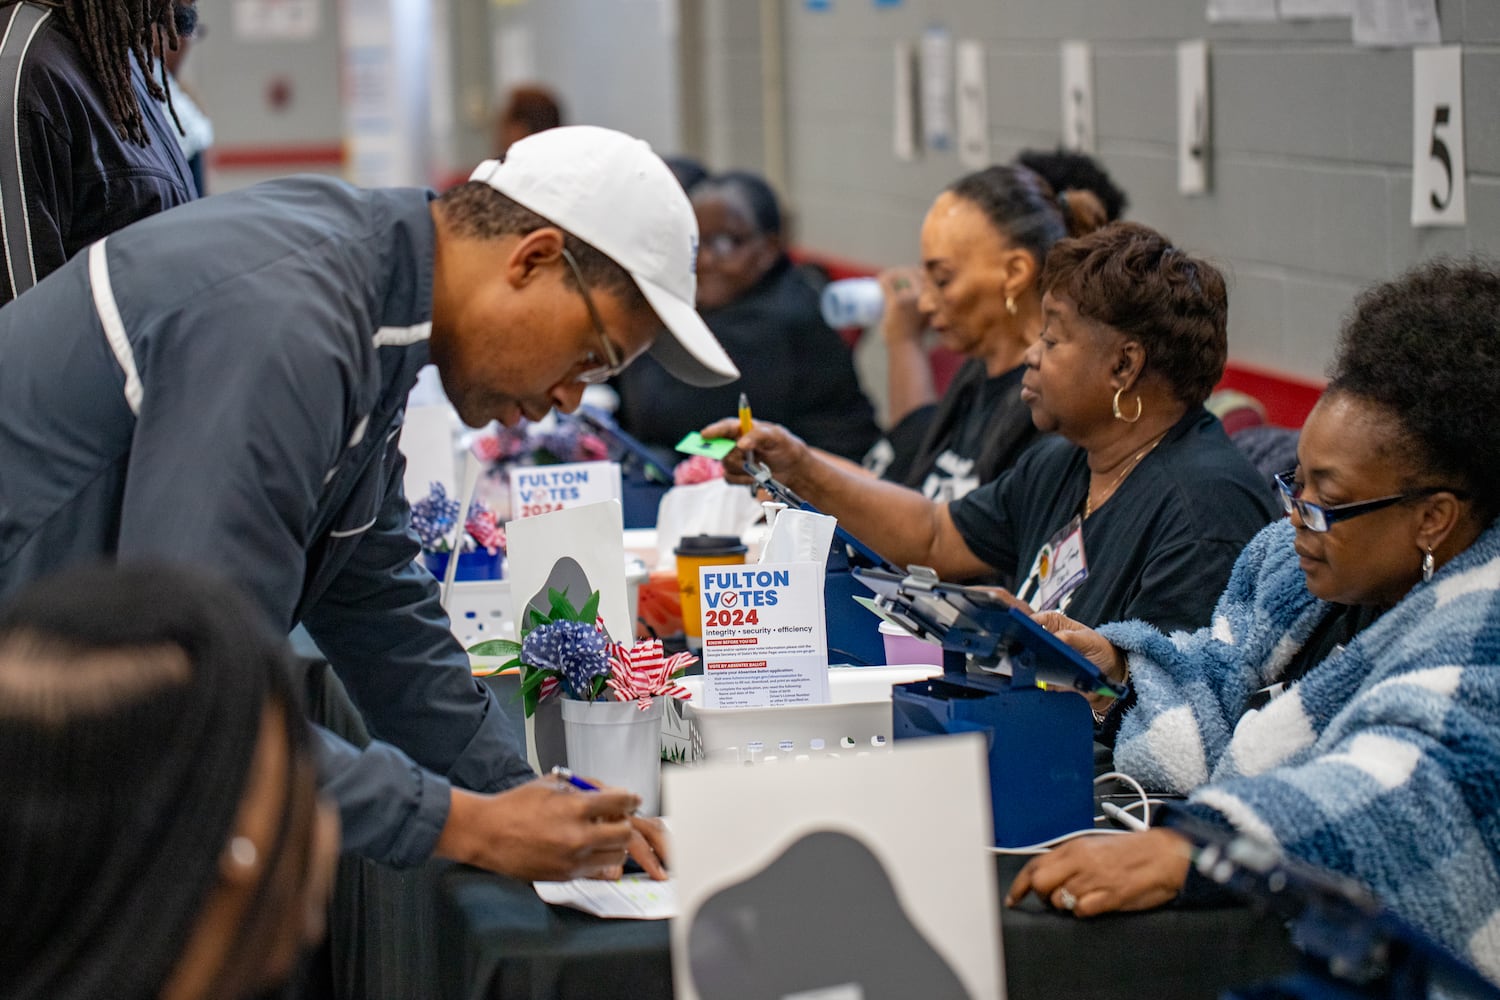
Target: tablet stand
[{"x": 1040, "y": 742}]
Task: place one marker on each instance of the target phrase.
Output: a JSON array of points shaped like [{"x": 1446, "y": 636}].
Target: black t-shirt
[
  {"x": 793, "y": 368},
  {"x": 976, "y": 432},
  {"x": 893, "y": 454},
  {"x": 1159, "y": 550},
  {"x": 1338, "y": 627}
]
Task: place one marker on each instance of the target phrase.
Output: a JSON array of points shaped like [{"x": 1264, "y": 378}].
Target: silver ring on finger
[{"x": 1066, "y": 899}]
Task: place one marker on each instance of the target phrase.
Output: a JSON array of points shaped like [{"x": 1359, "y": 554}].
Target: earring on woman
[
  {"x": 1010, "y": 304},
  {"x": 1139, "y": 406},
  {"x": 1427, "y": 565}
]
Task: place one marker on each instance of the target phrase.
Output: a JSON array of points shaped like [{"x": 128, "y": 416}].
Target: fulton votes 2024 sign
[
  {"x": 541, "y": 489},
  {"x": 764, "y": 643}
]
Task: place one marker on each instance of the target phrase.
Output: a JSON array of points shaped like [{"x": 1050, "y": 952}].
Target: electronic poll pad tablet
[{"x": 974, "y": 622}]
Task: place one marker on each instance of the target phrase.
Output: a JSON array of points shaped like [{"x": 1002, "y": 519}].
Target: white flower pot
[{"x": 617, "y": 743}]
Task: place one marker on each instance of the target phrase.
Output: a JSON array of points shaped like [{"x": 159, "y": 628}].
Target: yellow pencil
[{"x": 745, "y": 422}]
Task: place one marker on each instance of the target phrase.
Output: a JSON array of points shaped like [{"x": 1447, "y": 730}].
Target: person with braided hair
[
  {"x": 161, "y": 833},
  {"x": 85, "y": 147}
]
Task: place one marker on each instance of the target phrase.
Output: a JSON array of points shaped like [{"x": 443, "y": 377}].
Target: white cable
[
  {"x": 1124, "y": 818},
  {"x": 1145, "y": 802},
  {"x": 1129, "y": 820},
  {"x": 1046, "y": 845}
]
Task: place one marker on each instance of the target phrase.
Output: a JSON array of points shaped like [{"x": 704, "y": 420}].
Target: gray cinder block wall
[{"x": 1312, "y": 143}]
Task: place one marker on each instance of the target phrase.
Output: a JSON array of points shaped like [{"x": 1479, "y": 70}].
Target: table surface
[{"x": 499, "y": 940}]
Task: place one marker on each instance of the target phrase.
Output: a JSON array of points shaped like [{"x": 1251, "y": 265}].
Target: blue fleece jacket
[{"x": 1382, "y": 762}]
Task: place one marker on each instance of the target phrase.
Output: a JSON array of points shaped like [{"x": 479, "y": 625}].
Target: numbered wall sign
[
  {"x": 1078, "y": 96},
  {"x": 973, "y": 107},
  {"x": 905, "y": 140},
  {"x": 1193, "y": 117},
  {"x": 937, "y": 89},
  {"x": 1437, "y": 164}
]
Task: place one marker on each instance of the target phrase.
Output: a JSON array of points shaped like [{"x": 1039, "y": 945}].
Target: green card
[{"x": 697, "y": 444}]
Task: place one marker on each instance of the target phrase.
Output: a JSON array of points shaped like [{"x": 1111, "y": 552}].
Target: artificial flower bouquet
[
  {"x": 434, "y": 518},
  {"x": 609, "y": 698},
  {"x": 567, "y": 653},
  {"x": 558, "y": 440}
]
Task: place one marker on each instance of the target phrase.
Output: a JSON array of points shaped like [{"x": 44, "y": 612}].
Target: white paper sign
[
  {"x": 1232, "y": 11},
  {"x": 542, "y": 489},
  {"x": 427, "y": 443},
  {"x": 764, "y": 640},
  {"x": 1078, "y": 96},
  {"x": 973, "y": 107},
  {"x": 937, "y": 89},
  {"x": 1396, "y": 22},
  {"x": 856, "y": 873},
  {"x": 1437, "y": 164},
  {"x": 1301, "y": 10},
  {"x": 904, "y": 137},
  {"x": 1193, "y": 117},
  {"x": 513, "y": 56},
  {"x": 577, "y": 551}
]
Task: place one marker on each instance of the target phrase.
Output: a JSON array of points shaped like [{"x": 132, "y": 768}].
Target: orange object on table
[
  {"x": 694, "y": 552},
  {"x": 660, "y": 606}
]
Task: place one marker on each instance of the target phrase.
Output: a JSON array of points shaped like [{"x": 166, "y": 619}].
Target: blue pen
[{"x": 563, "y": 774}]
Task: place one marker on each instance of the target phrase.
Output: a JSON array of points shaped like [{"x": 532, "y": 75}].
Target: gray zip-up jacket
[{"x": 223, "y": 384}]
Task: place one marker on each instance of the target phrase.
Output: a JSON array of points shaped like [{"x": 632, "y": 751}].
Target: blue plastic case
[{"x": 1041, "y": 757}]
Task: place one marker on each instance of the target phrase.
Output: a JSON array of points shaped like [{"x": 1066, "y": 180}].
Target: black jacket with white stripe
[
  {"x": 67, "y": 178},
  {"x": 224, "y": 384}
]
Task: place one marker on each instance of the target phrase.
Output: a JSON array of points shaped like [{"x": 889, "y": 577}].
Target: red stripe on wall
[{"x": 1287, "y": 398}]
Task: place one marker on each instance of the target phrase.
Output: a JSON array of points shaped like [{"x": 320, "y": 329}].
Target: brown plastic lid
[{"x": 710, "y": 545}]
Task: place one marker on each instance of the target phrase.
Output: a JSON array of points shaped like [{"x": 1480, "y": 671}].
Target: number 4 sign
[{"x": 1437, "y": 170}]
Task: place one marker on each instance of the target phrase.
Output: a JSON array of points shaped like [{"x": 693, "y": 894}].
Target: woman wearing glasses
[
  {"x": 1345, "y": 703},
  {"x": 794, "y": 368}
]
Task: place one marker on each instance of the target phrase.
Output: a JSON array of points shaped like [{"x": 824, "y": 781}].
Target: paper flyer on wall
[
  {"x": 764, "y": 643},
  {"x": 1313, "y": 9},
  {"x": 1381, "y": 23},
  {"x": 1241, "y": 11}
]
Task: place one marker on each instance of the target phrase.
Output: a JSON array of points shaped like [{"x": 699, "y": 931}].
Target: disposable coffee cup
[
  {"x": 903, "y": 648},
  {"x": 852, "y": 302},
  {"x": 693, "y": 553}
]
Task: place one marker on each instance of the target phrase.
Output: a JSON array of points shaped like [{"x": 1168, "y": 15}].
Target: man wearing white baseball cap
[
  {"x": 227, "y": 382},
  {"x": 615, "y": 194}
]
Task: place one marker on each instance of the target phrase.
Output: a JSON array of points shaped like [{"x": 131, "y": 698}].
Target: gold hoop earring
[
  {"x": 1010, "y": 305},
  {"x": 1427, "y": 565},
  {"x": 1139, "y": 406}
]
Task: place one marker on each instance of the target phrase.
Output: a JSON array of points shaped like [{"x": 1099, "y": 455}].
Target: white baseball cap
[{"x": 611, "y": 191}]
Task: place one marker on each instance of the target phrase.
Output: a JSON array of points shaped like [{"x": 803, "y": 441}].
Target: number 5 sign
[{"x": 1437, "y": 165}]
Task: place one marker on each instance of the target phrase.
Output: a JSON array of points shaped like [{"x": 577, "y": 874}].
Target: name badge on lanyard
[{"x": 1060, "y": 567}]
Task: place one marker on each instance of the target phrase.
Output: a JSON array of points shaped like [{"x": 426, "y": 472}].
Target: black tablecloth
[{"x": 497, "y": 939}]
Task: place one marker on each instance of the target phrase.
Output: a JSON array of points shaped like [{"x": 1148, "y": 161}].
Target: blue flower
[
  {"x": 433, "y": 517},
  {"x": 575, "y": 651}
]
